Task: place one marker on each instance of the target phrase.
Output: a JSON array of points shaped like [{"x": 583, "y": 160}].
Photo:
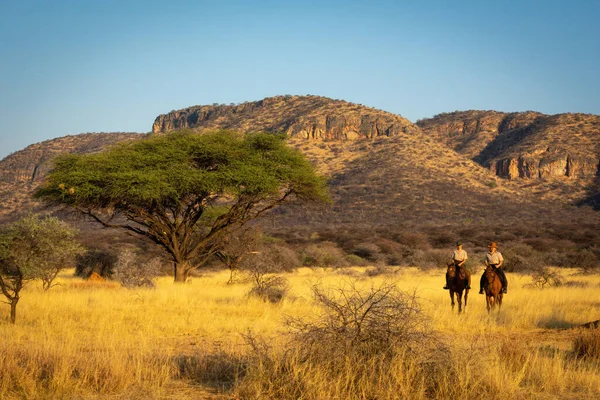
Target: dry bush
[
  {"x": 325, "y": 254},
  {"x": 262, "y": 270},
  {"x": 587, "y": 260},
  {"x": 416, "y": 240},
  {"x": 132, "y": 271},
  {"x": 355, "y": 260},
  {"x": 380, "y": 268},
  {"x": 368, "y": 251},
  {"x": 438, "y": 258},
  {"x": 365, "y": 343},
  {"x": 586, "y": 345},
  {"x": 424, "y": 259},
  {"x": 546, "y": 277},
  {"x": 237, "y": 246},
  {"x": 362, "y": 322},
  {"x": 520, "y": 257}
]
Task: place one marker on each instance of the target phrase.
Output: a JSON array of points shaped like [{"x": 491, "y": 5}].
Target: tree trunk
[
  {"x": 13, "y": 310},
  {"x": 181, "y": 272}
]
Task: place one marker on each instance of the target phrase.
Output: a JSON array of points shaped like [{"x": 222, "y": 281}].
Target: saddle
[{"x": 462, "y": 273}]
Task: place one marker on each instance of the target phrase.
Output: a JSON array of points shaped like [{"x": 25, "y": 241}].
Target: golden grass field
[{"x": 100, "y": 341}]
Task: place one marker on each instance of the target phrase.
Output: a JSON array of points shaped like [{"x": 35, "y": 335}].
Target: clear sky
[{"x": 73, "y": 66}]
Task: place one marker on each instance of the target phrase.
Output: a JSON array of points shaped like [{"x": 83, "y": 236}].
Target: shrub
[
  {"x": 442, "y": 239},
  {"x": 262, "y": 272},
  {"x": 366, "y": 343},
  {"x": 415, "y": 240},
  {"x": 362, "y": 322},
  {"x": 520, "y": 257},
  {"x": 355, "y": 260},
  {"x": 587, "y": 260},
  {"x": 368, "y": 251},
  {"x": 546, "y": 277},
  {"x": 325, "y": 254},
  {"x": 131, "y": 271}
]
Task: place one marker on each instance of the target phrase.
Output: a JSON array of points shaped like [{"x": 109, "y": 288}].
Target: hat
[
  {"x": 493, "y": 244},
  {"x": 459, "y": 243}
]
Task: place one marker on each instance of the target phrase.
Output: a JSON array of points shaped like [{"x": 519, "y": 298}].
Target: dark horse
[
  {"x": 493, "y": 289},
  {"x": 457, "y": 284}
]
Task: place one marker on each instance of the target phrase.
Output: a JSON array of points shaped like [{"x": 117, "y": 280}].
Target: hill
[
  {"x": 22, "y": 171},
  {"x": 556, "y": 156},
  {"x": 389, "y": 177}
]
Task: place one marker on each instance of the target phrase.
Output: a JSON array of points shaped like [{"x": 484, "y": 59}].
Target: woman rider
[{"x": 494, "y": 258}]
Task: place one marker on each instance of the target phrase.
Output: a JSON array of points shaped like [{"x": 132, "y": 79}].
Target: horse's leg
[
  {"x": 452, "y": 298},
  {"x": 500, "y": 296},
  {"x": 487, "y": 303},
  {"x": 466, "y": 297},
  {"x": 459, "y": 299}
]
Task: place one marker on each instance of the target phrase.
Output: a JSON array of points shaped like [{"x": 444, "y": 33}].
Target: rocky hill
[
  {"x": 553, "y": 156},
  {"x": 310, "y": 117},
  {"x": 23, "y": 170},
  {"x": 385, "y": 172},
  {"x": 525, "y": 145}
]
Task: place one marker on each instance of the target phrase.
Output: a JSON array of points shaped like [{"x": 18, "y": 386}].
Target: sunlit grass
[{"x": 87, "y": 340}]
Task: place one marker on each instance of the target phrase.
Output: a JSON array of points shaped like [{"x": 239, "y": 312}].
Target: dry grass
[{"x": 187, "y": 341}]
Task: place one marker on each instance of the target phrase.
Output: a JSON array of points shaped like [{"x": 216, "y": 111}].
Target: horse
[
  {"x": 456, "y": 285},
  {"x": 493, "y": 289}
]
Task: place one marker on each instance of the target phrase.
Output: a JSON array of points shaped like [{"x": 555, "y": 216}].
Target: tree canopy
[{"x": 182, "y": 190}]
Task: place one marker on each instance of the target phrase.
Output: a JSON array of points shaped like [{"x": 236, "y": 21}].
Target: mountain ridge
[{"x": 382, "y": 167}]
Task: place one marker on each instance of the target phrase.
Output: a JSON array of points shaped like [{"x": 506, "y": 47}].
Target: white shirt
[
  {"x": 494, "y": 258},
  {"x": 459, "y": 255}
]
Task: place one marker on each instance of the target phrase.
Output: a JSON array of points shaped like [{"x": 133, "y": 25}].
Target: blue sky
[{"x": 68, "y": 67}]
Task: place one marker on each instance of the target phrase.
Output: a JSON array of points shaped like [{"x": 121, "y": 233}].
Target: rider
[
  {"x": 494, "y": 259},
  {"x": 459, "y": 257}
]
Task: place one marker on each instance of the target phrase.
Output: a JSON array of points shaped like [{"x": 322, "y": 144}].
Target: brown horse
[
  {"x": 493, "y": 289},
  {"x": 456, "y": 284}
]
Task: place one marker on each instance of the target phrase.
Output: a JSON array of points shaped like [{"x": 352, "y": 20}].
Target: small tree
[
  {"x": 33, "y": 248},
  {"x": 182, "y": 190},
  {"x": 263, "y": 269},
  {"x": 235, "y": 247},
  {"x": 132, "y": 271}
]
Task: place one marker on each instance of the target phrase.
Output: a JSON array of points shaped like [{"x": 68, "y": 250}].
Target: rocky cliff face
[
  {"x": 523, "y": 145},
  {"x": 309, "y": 117},
  {"x": 21, "y": 172},
  {"x": 32, "y": 163}
]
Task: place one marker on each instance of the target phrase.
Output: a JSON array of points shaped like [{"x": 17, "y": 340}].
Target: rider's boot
[
  {"x": 447, "y": 283},
  {"x": 504, "y": 290},
  {"x": 480, "y": 290}
]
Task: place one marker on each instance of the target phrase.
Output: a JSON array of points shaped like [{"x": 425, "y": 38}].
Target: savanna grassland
[{"x": 207, "y": 339}]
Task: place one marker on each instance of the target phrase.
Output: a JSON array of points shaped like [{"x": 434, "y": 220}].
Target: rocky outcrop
[
  {"x": 23, "y": 171},
  {"x": 525, "y": 145},
  {"x": 545, "y": 167},
  {"x": 309, "y": 117},
  {"x": 469, "y": 132},
  {"x": 32, "y": 163}
]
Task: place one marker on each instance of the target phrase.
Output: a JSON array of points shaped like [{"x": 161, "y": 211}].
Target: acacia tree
[
  {"x": 33, "y": 248},
  {"x": 183, "y": 190}
]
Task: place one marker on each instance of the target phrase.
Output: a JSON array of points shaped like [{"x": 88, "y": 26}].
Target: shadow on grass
[
  {"x": 553, "y": 322},
  {"x": 219, "y": 371}
]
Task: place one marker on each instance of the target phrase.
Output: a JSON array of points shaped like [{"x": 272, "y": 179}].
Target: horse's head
[
  {"x": 490, "y": 274},
  {"x": 451, "y": 270}
]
